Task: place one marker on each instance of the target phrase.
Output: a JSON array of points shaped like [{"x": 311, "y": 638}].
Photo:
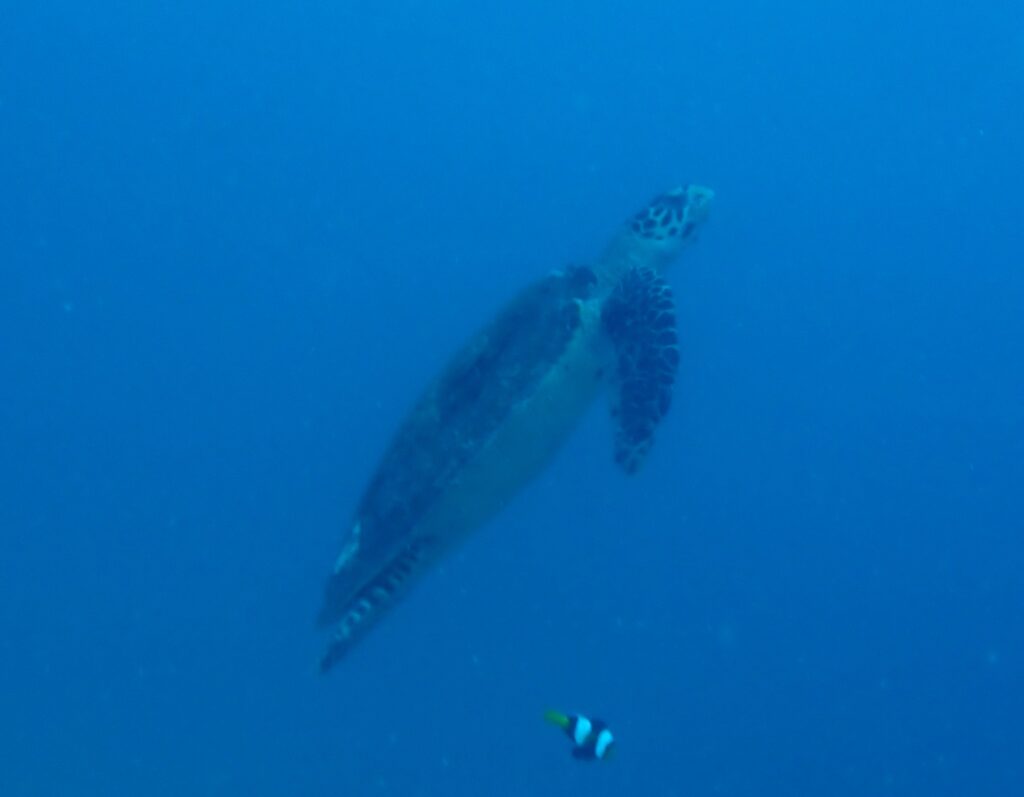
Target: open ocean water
[{"x": 236, "y": 239}]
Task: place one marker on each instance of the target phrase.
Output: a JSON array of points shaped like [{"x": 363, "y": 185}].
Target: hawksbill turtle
[{"x": 507, "y": 401}]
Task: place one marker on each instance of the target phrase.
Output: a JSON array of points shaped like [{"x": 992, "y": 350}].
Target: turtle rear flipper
[
  {"x": 639, "y": 319},
  {"x": 361, "y": 613}
]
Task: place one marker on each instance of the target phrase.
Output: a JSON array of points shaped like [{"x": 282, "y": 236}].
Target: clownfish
[{"x": 591, "y": 739}]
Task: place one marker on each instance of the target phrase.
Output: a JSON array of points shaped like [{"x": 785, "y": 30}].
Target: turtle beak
[{"x": 698, "y": 203}]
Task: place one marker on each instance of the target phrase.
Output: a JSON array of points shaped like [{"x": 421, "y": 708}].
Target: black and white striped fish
[{"x": 591, "y": 739}]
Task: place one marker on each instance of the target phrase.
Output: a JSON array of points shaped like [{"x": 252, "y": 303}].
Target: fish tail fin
[{"x": 557, "y": 718}]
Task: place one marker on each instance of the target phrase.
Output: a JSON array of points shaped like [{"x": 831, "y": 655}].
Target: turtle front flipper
[{"x": 639, "y": 318}]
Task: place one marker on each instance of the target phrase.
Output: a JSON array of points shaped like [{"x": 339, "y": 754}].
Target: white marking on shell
[{"x": 349, "y": 550}]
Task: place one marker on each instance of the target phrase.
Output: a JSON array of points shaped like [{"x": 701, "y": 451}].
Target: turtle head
[{"x": 669, "y": 222}]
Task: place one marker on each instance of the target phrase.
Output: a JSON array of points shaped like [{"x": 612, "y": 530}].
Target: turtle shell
[{"x": 501, "y": 367}]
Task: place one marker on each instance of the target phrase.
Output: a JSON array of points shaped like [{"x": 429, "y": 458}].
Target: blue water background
[{"x": 237, "y": 238}]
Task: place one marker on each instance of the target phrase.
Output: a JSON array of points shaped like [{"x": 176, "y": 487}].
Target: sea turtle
[{"x": 506, "y": 402}]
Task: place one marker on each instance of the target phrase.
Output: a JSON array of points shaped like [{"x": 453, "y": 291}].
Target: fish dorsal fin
[{"x": 640, "y": 320}]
